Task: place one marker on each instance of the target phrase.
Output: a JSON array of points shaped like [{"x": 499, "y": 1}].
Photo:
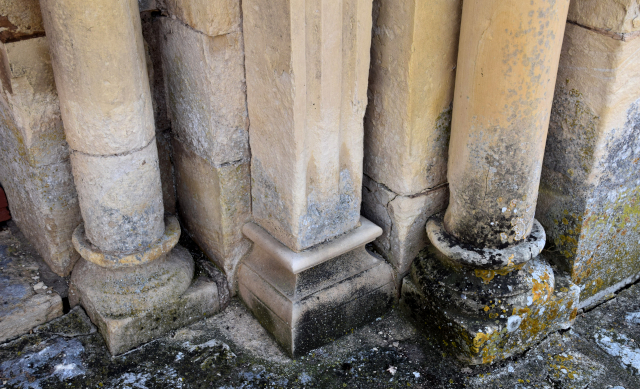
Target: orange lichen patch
[
  {"x": 479, "y": 340},
  {"x": 488, "y": 275}
]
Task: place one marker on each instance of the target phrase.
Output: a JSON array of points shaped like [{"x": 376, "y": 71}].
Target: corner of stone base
[
  {"x": 124, "y": 333},
  {"x": 486, "y": 341}
]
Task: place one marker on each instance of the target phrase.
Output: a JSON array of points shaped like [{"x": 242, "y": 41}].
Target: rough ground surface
[{"x": 231, "y": 350}]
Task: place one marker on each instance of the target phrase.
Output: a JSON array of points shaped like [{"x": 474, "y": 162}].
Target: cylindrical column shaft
[
  {"x": 507, "y": 65},
  {"x": 100, "y": 72}
]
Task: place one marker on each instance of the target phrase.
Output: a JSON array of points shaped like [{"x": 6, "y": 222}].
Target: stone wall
[
  {"x": 589, "y": 200},
  {"x": 34, "y": 164},
  {"x": 408, "y": 121},
  {"x": 198, "y": 48}
]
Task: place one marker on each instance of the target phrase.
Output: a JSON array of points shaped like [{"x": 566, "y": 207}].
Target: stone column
[
  {"x": 133, "y": 281},
  {"x": 589, "y": 198},
  {"x": 309, "y": 278},
  {"x": 483, "y": 281}
]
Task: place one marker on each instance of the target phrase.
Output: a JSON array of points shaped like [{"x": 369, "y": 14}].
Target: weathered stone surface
[
  {"x": 589, "y": 198},
  {"x": 31, "y": 102},
  {"x": 483, "y": 315},
  {"x": 25, "y": 301},
  {"x": 101, "y": 74},
  {"x": 232, "y": 349},
  {"x": 20, "y": 19},
  {"x": 306, "y": 100},
  {"x": 507, "y": 64},
  {"x": 151, "y": 32},
  {"x": 132, "y": 306},
  {"x": 167, "y": 171},
  {"x": 211, "y": 17},
  {"x": 307, "y": 307},
  {"x": 120, "y": 198},
  {"x": 402, "y": 219},
  {"x": 407, "y": 124},
  {"x": 214, "y": 205},
  {"x": 206, "y": 91},
  {"x": 615, "y": 16},
  {"x": 35, "y": 169}
]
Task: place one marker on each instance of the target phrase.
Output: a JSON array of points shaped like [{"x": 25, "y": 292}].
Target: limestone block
[
  {"x": 135, "y": 306},
  {"x": 590, "y": 188},
  {"x": 407, "y": 125},
  {"x": 483, "y": 342},
  {"x": 214, "y": 205},
  {"x": 35, "y": 169},
  {"x": 206, "y": 91},
  {"x": 101, "y": 74},
  {"x": 306, "y": 100},
  {"x": 120, "y": 198},
  {"x": 44, "y": 204},
  {"x": 32, "y": 102},
  {"x": 20, "y": 19},
  {"x": 211, "y": 17},
  {"x": 402, "y": 219},
  {"x": 616, "y": 16},
  {"x": 147, "y": 5},
  {"x": 310, "y": 298}
]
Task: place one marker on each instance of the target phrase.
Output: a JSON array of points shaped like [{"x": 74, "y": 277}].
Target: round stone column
[
  {"x": 482, "y": 285},
  {"x": 505, "y": 78},
  {"x": 100, "y": 71},
  {"x": 132, "y": 280}
]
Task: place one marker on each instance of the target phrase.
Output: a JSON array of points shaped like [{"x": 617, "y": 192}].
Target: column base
[
  {"x": 483, "y": 316},
  {"x": 311, "y": 298},
  {"x": 133, "y": 305}
]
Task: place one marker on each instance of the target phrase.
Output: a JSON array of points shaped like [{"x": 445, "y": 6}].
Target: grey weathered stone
[
  {"x": 25, "y": 301},
  {"x": 134, "y": 305},
  {"x": 214, "y": 205},
  {"x": 309, "y": 298},
  {"x": 35, "y": 169},
  {"x": 402, "y": 219},
  {"x": 206, "y": 95},
  {"x": 590, "y": 188},
  {"x": 120, "y": 198}
]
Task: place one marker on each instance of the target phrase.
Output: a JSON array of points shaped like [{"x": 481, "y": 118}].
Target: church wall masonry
[{"x": 285, "y": 136}]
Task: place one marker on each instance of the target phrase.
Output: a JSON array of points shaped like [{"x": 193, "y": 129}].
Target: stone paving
[{"x": 232, "y": 350}]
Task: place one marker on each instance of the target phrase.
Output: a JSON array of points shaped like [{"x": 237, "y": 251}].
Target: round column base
[{"x": 117, "y": 260}]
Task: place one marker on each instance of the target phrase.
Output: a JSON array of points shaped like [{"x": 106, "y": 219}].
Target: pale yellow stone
[
  {"x": 19, "y": 19},
  {"x": 206, "y": 95},
  {"x": 402, "y": 219},
  {"x": 34, "y": 162},
  {"x": 413, "y": 62},
  {"x": 101, "y": 74},
  {"x": 211, "y": 17},
  {"x": 306, "y": 99},
  {"x": 618, "y": 16},
  {"x": 507, "y": 66},
  {"x": 214, "y": 204},
  {"x": 30, "y": 92}
]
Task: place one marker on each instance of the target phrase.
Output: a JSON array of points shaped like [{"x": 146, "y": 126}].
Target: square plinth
[
  {"x": 310, "y": 298},
  {"x": 122, "y": 333},
  {"x": 475, "y": 341}
]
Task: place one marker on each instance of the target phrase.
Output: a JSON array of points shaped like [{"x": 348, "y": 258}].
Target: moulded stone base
[
  {"x": 308, "y": 299},
  {"x": 496, "y": 331},
  {"x": 140, "y": 308}
]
